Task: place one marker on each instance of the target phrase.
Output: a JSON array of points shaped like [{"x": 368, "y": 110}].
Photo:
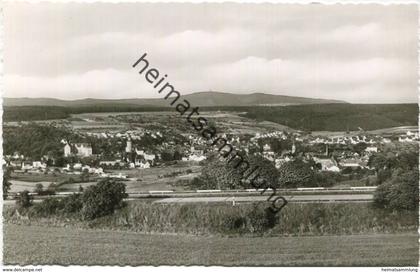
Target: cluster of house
[
  {"x": 18, "y": 161},
  {"x": 329, "y": 163},
  {"x": 275, "y": 134},
  {"x": 370, "y": 139},
  {"x": 133, "y": 134},
  {"x": 195, "y": 148},
  {"x": 409, "y": 137}
]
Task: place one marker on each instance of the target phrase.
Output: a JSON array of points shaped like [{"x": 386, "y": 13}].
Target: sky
[{"x": 355, "y": 53}]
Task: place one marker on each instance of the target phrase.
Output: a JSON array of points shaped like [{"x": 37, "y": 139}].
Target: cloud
[
  {"x": 313, "y": 50},
  {"x": 350, "y": 81}
]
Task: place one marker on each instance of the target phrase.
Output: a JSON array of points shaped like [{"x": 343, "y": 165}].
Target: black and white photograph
[{"x": 229, "y": 134}]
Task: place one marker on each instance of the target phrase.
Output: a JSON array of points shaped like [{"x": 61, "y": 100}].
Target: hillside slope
[{"x": 338, "y": 117}]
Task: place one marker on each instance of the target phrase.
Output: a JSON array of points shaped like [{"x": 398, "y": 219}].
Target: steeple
[{"x": 129, "y": 147}]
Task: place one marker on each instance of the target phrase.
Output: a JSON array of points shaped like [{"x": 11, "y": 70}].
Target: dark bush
[
  {"x": 102, "y": 199},
  {"x": 401, "y": 192},
  {"x": 49, "y": 206},
  {"x": 383, "y": 175},
  {"x": 52, "y": 188},
  {"x": 317, "y": 217},
  {"x": 6, "y": 183},
  {"x": 271, "y": 219},
  {"x": 256, "y": 219},
  {"x": 72, "y": 203},
  {"x": 24, "y": 200},
  {"x": 39, "y": 188}
]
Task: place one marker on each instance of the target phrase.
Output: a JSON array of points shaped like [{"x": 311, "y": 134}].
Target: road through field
[
  {"x": 64, "y": 246},
  {"x": 294, "y": 198},
  {"x": 307, "y": 198}
]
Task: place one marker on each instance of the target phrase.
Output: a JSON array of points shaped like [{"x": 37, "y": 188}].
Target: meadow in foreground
[{"x": 58, "y": 245}]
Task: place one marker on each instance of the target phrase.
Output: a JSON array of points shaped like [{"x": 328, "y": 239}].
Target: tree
[
  {"x": 177, "y": 155},
  {"x": 39, "y": 188},
  {"x": 52, "y": 187},
  {"x": 84, "y": 177},
  {"x": 102, "y": 199},
  {"x": 6, "y": 183},
  {"x": 268, "y": 175},
  {"x": 295, "y": 173},
  {"x": 383, "y": 175},
  {"x": 218, "y": 174},
  {"x": 72, "y": 203},
  {"x": 324, "y": 179},
  {"x": 382, "y": 161},
  {"x": 166, "y": 156},
  {"x": 359, "y": 148},
  {"x": 408, "y": 160},
  {"x": 401, "y": 192},
  {"x": 24, "y": 200},
  {"x": 278, "y": 146}
]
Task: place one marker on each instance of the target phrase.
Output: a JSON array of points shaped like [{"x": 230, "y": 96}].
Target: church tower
[{"x": 129, "y": 146}]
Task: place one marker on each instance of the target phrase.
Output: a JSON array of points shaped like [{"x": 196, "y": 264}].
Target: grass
[
  {"x": 25, "y": 245},
  {"x": 248, "y": 219},
  {"x": 142, "y": 179}
]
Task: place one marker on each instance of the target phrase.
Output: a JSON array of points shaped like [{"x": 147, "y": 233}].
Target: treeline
[
  {"x": 398, "y": 176},
  {"x": 338, "y": 117},
  {"x": 35, "y": 140},
  {"x": 219, "y": 174},
  {"x": 33, "y": 113},
  {"x": 36, "y": 113},
  {"x": 329, "y": 117},
  {"x": 96, "y": 201}
]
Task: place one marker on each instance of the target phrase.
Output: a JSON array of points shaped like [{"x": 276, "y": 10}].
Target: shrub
[
  {"x": 102, "y": 199},
  {"x": 6, "y": 183},
  {"x": 295, "y": 219},
  {"x": 39, "y": 188},
  {"x": 72, "y": 203},
  {"x": 401, "y": 192},
  {"x": 51, "y": 189},
  {"x": 260, "y": 219},
  {"x": 383, "y": 175},
  {"x": 49, "y": 206},
  {"x": 295, "y": 173},
  {"x": 24, "y": 200}
]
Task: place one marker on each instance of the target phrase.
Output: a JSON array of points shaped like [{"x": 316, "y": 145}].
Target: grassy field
[
  {"x": 221, "y": 219},
  {"x": 64, "y": 246},
  {"x": 156, "y": 178}
]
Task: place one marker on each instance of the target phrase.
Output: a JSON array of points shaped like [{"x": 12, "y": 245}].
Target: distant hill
[
  {"x": 308, "y": 117},
  {"x": 204, "y": 99},
  {"x": 212, "y": 99}
]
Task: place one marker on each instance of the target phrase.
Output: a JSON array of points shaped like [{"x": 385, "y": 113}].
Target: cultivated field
[
  {"x": 156, "y": 178},
  {"x": 64, "y": 246}
]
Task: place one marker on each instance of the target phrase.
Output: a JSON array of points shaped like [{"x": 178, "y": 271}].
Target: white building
[
  {"x": 129, "y": 146},
  {"x": 371, "y": 149},
  {"x": 39, "y": 164},
  {"x": 194, "y": 157},
  {"x": 82, "y": 150},
  {"x": 327, "y": 164},
  {"x": 67, "y": 150}
]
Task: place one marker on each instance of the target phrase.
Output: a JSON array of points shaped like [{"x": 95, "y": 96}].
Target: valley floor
[{"x": 64, "y": 246}]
